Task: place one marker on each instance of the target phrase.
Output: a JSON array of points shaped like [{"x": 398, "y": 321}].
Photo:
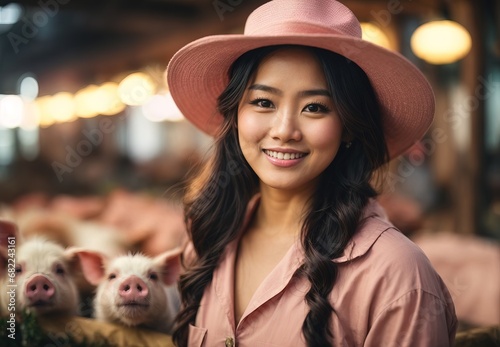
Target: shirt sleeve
[{"x": 418, "y": 319}]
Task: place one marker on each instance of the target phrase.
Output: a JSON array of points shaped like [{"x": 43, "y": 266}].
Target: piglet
[
  {"x": 35, "y": 274},
  {"x": 134, "y": 290}
]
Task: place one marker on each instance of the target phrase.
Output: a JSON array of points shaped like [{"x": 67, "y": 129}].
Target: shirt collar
[{"x": 373, "y": 223}]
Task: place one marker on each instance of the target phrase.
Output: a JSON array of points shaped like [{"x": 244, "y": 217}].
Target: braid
[{"x": 326, "y": 233}]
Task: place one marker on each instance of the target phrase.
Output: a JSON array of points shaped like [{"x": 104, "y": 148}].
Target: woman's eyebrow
[
  {"x": 315, "y": 92},
  {"x": 265, "y": 88},
  {"x": 272, "y": 90}
]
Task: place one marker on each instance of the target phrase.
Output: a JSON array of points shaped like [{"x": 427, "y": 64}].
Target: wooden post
[{"x": 469, "y": 183}]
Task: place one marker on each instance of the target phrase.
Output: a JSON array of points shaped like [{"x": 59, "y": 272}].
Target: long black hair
[{"x": 216, "y": 199}]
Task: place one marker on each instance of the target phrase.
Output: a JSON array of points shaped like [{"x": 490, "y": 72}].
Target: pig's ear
[
  {"x": 92, "y": 263},
  {"x": 7, "y": 230},
  {"x": 170, "y": 263},
  {"x": 8, "y": 233}
]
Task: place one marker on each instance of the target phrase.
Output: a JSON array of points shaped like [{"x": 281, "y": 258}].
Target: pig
[
  {"x": 35, "y": 274},
  {"x": 68, "y": 232},
  {"x": 134, "y": 290}
]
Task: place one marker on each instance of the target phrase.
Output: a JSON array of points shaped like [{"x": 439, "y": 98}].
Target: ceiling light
[
  {"x": 11, "y": 111},
  {"x": 85, "y": 106},
  {"x": 441, "y": 42},
  {"x": 28, "y": 88},
  {"x": 107, "y": 100},
  {"x": 136, "y": 89},
  {"x": 62, "y": 107},
  {"x": 10, "y": 13}
]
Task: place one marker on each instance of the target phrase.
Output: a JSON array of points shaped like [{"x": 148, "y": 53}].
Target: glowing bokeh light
[
  {"x": 10, "y": 14},
  {"x": 372, "y": 33},
  {"x": 62, "y": 107},
  {"x": 85, "y": 106},
  {"x": 161, "y": 107},
  {"x": 11, "y": 111},
  {"x": 43, "y": 106},
  {"x": 107, "y": 100},
  {"x": 31, "y": 118},
  {"x": 28, "y": 88},
  {"x": 136, "y": 89},
  {"x": 441, "y": 42}
]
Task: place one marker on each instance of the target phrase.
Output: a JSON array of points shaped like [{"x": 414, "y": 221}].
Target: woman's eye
[
  {"x": 315, "y": 108},
  {"x": 264, "y": 103}
]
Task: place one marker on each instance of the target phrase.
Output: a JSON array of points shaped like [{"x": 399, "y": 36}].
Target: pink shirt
[{"x": 386, "y": 294}]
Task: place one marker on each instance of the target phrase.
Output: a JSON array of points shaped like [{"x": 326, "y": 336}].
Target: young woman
[{"x": 288, "y": 246}]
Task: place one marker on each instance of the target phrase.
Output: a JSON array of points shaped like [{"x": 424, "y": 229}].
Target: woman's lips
[
  {"x": 284, "y": 155},
  {"x": 284, "y": 158}
]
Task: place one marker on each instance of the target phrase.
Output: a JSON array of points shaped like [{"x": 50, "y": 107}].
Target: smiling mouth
[{"x": 284, "y": 156}]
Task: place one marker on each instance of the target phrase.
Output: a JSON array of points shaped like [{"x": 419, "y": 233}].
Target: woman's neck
[{"x": 281, "y": 212}]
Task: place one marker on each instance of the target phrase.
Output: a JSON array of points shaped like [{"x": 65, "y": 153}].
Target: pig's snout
[
  {"x": 39, "y": 288},
  {"x": 133, "y": 288}
]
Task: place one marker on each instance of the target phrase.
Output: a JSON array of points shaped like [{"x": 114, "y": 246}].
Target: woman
[{"x": 288, "y": 246}]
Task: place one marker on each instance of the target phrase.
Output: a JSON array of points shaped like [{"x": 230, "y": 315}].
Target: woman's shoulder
[
  {"x": 382, "y": 268},
  {"x": 383, "y": 254},
  {"x": 395, "y": 253},
  {"x": 376, "y": 234}
]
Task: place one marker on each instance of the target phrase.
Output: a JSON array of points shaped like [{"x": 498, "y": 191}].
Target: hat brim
[{"x": 198, "y": 73}]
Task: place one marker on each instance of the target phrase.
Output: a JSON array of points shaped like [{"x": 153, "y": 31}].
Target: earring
[{"x": 348, "y": 144}]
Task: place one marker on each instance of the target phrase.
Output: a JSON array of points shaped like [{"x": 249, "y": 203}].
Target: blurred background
[{"x": 88, "y": 128}]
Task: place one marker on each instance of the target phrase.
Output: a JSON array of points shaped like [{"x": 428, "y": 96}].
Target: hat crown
[{"x": 289, "y": 17}]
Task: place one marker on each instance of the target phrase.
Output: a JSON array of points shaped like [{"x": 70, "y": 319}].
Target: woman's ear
[{"x": 347, "y": 137}]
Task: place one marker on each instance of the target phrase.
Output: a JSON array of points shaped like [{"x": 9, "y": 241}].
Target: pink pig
[
  {"x": 35, "y": 274},
  {"x": 134, "y": 290}
]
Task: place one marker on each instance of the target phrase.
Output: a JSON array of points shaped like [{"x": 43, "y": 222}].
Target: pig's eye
[
  {"x": 111, "y": 276},
  {"x": 19, "y": 269},
  {"x": 59, "y": 269},
  {"x": 153, "y": 276}
]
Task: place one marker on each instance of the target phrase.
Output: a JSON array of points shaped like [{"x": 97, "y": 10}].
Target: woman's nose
[{"x": 286, "y": 127}]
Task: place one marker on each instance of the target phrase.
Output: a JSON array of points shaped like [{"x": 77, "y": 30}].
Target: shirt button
[{"x": 229, "y": 342}]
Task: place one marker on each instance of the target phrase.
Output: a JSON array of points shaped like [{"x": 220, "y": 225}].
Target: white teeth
[{"x": 284, "y": 156}]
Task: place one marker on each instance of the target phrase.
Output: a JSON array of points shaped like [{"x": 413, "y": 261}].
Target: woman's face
[{"x": 288, "y": 129}]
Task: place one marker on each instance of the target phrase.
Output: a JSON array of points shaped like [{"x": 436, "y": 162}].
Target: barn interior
[{"x": 88, "y": 128}]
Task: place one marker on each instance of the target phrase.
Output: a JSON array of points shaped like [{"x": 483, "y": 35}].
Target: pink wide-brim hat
[{"x": 198, "y": 72}]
